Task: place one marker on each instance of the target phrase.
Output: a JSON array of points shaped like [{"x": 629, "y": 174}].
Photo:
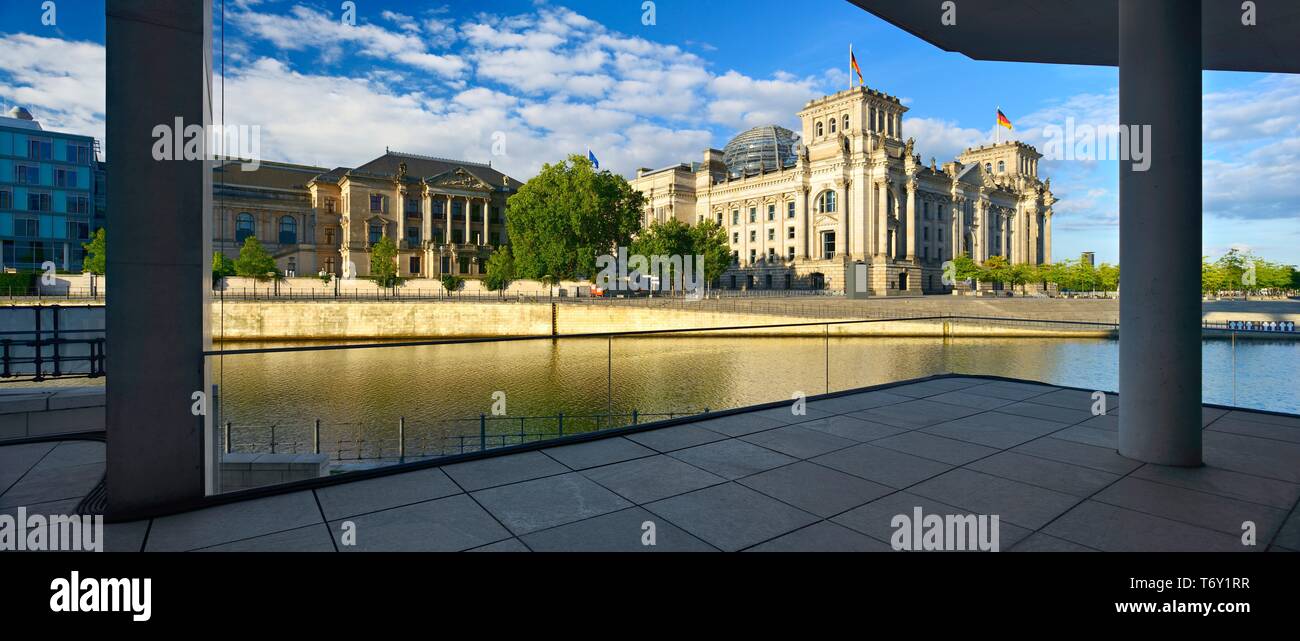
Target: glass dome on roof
[{"x": 761, "y": 149}]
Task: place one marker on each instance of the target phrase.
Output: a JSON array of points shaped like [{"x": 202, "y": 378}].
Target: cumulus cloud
[{"x": 61, "y": 82}]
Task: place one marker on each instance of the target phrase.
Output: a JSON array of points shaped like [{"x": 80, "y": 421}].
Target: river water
[{"x": 440, "y": 391}]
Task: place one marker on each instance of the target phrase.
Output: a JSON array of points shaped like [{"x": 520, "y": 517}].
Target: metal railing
[
  {"x": 53, "y": 351},
  {"x": 25, "y": 296},
  {"x": 414, "y": 441}
]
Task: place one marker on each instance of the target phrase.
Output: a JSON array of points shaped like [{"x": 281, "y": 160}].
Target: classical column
[
  {"x": 446, "y": 222},
  {"x": 882, "y": 220},
  {"x": 1047, "y": 236},
  {"x": 486, "y": 224},
  {"x": 842, "y": 231},
  {"x": 469, "y": 213},
  {"x": 911, "y": 219}
]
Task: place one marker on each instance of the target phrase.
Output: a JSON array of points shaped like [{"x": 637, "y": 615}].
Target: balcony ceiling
[{"x": 1084, "y": 32}]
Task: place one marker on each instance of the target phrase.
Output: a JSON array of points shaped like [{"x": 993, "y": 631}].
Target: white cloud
[
  {"x": 941, "y": 139},
  {"x": 60, "y": 81}
]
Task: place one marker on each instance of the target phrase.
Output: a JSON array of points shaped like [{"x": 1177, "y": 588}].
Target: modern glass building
[{"x": 51, "y": 194}]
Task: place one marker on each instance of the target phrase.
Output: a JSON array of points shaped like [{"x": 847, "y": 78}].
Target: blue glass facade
[{"x": 52, "y": 196}]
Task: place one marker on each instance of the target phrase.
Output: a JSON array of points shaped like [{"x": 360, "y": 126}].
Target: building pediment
[{"x": 458, "y": 178}]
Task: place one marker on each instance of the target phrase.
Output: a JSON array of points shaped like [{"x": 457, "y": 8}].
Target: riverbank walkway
[{"x": 766, "y": 479}]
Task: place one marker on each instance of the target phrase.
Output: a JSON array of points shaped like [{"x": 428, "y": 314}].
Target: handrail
[{"x": 646, "y": 332}]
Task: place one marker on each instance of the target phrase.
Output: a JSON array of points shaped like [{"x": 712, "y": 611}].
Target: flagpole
[
  {"x": 997, "y": 127},
  {"x": 850, "y": 66}
]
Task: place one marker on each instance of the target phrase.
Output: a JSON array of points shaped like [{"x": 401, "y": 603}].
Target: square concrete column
[
  {"x": 159, "y": 71},
  {"x": 1160, "y": 233}
]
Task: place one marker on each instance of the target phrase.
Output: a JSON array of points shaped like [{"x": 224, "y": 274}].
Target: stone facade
[
  {"x": 446, "y": 216},
  {"x": 853, "y": 189}
]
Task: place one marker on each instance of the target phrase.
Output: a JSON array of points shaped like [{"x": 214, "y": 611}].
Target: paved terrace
[{"x": 766, "y": 480}]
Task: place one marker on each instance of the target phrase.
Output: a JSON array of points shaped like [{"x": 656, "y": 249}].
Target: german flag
[
  {"x": 1003, "y": 120},
  {"x": 853, "y": 63}
]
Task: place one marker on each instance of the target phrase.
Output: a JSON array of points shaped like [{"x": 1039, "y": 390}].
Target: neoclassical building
[
  {"x": 446, "y": 216},
  {"x": 799, "y": 209}
]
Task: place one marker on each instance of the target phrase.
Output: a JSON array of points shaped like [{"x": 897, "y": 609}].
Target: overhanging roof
[{"x": 1085, "y": 32}]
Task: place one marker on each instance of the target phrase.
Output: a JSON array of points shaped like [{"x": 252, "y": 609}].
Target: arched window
[
  {"x": 832, "y": 124},
  {"x": 846, "y": 123},
  {"x": 243, "y": 227},
  {"x": 1002, "y": 167},
  {"x": 288, "y": 230},
  {"x": 826, "y": 202},
  {"x": 819, "y": 128},
  {"x": 988, "y": 166}
]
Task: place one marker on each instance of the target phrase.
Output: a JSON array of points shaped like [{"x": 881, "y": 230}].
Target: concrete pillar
[
  {"x": 159, "y": 71},
  {"x": 1160, "y": 234}
]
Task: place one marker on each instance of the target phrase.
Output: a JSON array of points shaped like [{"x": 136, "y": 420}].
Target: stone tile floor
[{"x": 828, "y": 480}]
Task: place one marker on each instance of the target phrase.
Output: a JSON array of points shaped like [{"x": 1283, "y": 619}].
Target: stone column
[
  {"x": 1047, "y": 236},
  {"x": 911, "y": 219},
  {"x": 882, "y": 220},
  {"x": 487, "y": 202},
  {"x": 446, "y": 222},
  {"x": 160, "y": 456},
  {"x": 1160, "y": 234},
  {"x": 842, "y": 231}
]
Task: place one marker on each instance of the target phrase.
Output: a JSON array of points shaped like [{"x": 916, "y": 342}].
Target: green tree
[
  {"x": 1108, "y": 277},
  {"x": 995, "y": 270},
  {"x": 222, "y": 267},
  {"x": 500, "y": 270},
  {"x": 96, "y": 250},
  {"x": 383, "y": 263},
  {"x": 710, "y": 241},
  {"x": 965, "y": 268},
  {"x": 254, "y": 262},
  {"x": 452, "y": 282},
  {"x": 561, "y": 220},
  {"x": 1232, "y": 267},
  {"x": 1021, "y": 274},
  {"x": 1211, "y": 276},
  {"x": 669, "y": 238}
]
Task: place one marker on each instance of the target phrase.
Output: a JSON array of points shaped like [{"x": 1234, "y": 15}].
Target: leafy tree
[
  {"x": 383, "y": 262},
  {"x": 1211, "y": 277},
  {"x": 669, "y": 238},
  {"x": 452, "y": 282},
  {"x": 222, "y": 267},
  {"x": 500, "y": 270},
  {"x": 1021, "y": 274},
  {"x": 710, "y": 241},
  {"x": 1108, "y": 277},
  {"x": 96, "y": 251},
  {"x": 254, "y": 262},
  {"x": 995, "y": 270},
  {"x": 561, "y": 220},
  {"x": 965, "y": 268},
  {"x": 1232, "y": 266}
]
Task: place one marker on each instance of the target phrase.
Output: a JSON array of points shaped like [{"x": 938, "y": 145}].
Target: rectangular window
[
  {"x": 78, "y": 153},
  {"x": 64, "y": 177},
  {"x": 925, "y": 233},
  {"x": 38, "y": 149},
  {"x": 412, "y": 206},
  {"x": 458, "y": 236},
  {"x": 6, "y": 199},
  {"x": 415, "y": 264},
  {"x": 78, "y": 230},
  {"x": 828, "y": 244},
  {"x": 38, "y": 201},
  {"x": 753, "y": 236},
  {"x": 27, "y": 174},
  {"x": 735, "y": 237},
  {"x": 789, "y": 255},
  {"x": 771, "y": 234},
  {"x": 376, "y": 203},
  {"x": 753, "y": 214},
  {"x": 329, "y": 236},
  {"x": 771, "y": 212},
  {"x": 789, "y": 209},
  {"x": 940, "y": 234},
  {"x": 789, "y": 233},
  {"x": 26, "y": 228},
  {"x": 735, "y": 216},
  {"x": 329, "y": 205},
  {"x": 78, "y": 205},
  {"x": 413, "y": 236},
  {"x": 753, "y": 255}
]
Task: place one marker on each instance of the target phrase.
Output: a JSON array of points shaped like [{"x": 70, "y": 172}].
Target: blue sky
[{"x": 551, "y": 78}]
